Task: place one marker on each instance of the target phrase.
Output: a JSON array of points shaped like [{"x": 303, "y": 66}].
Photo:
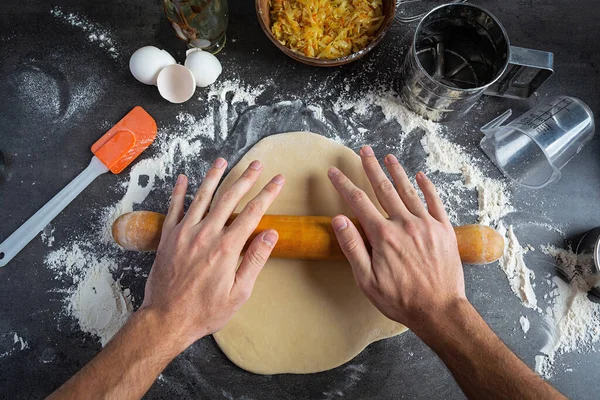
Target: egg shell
[
  {"x": 176, "y": 83},
  {"x": 204, "y": 65},
  {"x": 146, "y": 63}
]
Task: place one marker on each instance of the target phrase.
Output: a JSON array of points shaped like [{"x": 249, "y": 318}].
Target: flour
[
  {"x": 95, "y": 32},
  {"x": 54, "y": 90},
  {"x": 573, "y": 320},
  {"x": 520, "y": 278},
  {"x": 96, "y": 301},
  {"x": 91, "y": 265},
  {"x": 18, "y": 340},
  {"x": 182, "y": 142},
  {"x": 83, "y": 97},
  {"x": 47, "y": 235},
  {"x": 354, "y": 373},
  {"x": 228, "y": 94},
  {"x": 524, "y": 322},
  {"x": 445, "y": 156},
  {"x": 71, "y": 261},
  {"x": 11, "y": 342},
  {"x": 391, "y": 108},
  {"x": 38, "y": 92},
  {"x": 99, "y": 304}
]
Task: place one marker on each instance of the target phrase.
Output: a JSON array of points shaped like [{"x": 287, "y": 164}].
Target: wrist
[
  {"x": 437, "y": 321},
  {"x": 166, "y": 336}
]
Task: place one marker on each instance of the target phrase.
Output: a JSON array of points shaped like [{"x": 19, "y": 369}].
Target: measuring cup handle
[
  {"x": 522, "y": 59},
  {"x": 489, "y": 128}
]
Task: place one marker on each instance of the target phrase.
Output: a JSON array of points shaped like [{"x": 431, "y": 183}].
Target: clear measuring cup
[{"x": 532, "y": 149}]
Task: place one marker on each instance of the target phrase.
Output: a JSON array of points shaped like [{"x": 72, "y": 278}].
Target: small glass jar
[{"x": 201, "y": 23}]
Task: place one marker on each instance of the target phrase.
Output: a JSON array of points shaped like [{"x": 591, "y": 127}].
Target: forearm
[
  {"x": 129, "y": 364},
  {"x": 481, "y": 364}
]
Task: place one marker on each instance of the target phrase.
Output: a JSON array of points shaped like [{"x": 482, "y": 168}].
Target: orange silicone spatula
[{"x": 112, "y": 152}]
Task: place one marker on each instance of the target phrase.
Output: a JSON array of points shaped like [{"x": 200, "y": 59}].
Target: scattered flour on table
[
  {"x": 512, "y": 263},
  {"x": 95, "y": 32},
  {"x": 18, "y": 340},
  {"x": 46, "y": 95},
  {"x": 573, "y": 320},
  {"x": 10, "y": 343},
  {"x": 354, "y": 373},
  {"x": 38, "y": 91},
  {"x": 230, "y": 94},
  {"x": 47, "y": 235},
  {"x": 101, "y": 306},
  {"x": 95, "y": 298},
  {"x": 445, "y": 156},
  {"x": 524, "y": 321},
  {"x": 183, "y": 141}
]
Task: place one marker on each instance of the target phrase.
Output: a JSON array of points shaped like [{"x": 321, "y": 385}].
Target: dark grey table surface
[{"x": 44, "y": 154}]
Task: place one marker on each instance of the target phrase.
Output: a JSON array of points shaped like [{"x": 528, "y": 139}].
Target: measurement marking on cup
[{"x": 538, "y": 122}]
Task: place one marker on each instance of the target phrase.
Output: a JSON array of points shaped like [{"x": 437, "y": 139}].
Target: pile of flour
[{"x": 96, "y": 300}]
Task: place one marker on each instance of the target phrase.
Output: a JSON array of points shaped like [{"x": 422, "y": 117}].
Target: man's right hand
[{"x": 415, "y": 269}]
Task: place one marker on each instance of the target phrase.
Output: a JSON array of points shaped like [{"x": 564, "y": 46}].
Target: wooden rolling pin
[{"x": 302, "y": 237}]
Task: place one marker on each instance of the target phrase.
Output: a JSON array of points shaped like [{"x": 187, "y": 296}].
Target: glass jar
[{"x": 201, "y": 23}]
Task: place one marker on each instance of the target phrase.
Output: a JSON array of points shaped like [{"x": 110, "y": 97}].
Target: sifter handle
[
  {"x": 521, "y": 60},
  {"x": 34, "y": 225}
]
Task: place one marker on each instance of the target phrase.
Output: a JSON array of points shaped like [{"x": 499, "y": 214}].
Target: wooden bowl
[{"x": 264, "y": 17}]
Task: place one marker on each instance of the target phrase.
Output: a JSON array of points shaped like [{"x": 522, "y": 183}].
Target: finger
[
  {"x": 434, "y": 203},
  {"x": 205, "y": 192},
  {"x": 175, "y": 213},
  {"x": 227, "y": 203},
  {"x": 354, "y": 248},
  {"x": 252, "y": 263},
  {"x": 359, "y": 202},
  {"x": 406, "y": 190},
  {"x": 246, "y": 222},
  {"x": 384, "y": 189}
]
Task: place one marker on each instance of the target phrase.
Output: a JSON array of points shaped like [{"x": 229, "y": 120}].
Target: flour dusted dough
[{"x": 303, "y": 316}]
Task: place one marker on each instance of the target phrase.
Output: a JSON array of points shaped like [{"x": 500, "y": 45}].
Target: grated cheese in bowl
[{"x": 326, "y": 29}]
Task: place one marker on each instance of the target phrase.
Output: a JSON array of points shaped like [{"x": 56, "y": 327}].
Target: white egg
[
  {"x": 176, "y": 83},
  {"x": 146, "y": 63},
  {"x": 205, "y": 66}
]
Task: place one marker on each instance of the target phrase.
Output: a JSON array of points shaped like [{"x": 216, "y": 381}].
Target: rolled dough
[{"x": 303, "y": 316}]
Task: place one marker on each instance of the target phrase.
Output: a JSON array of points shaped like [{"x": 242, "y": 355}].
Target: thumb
[
  {"x": 354, "y": 248},
  {"x": 252, "y": 263}
]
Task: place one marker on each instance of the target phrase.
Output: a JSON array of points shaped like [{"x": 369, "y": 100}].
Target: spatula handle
[{"x": 34, "y": 225}]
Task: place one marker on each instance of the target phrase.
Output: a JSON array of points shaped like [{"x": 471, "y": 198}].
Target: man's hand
[
  {"x": 414, "y": 276},
  {"x": 414, "y": 269},
  {"x": 195, "y": 284}
]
